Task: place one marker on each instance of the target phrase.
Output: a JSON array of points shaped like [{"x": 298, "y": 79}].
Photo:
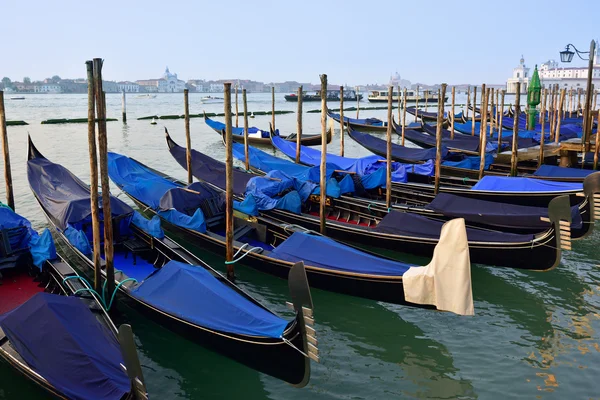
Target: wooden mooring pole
[
  {"x": 513, "y": 157},
  {"x": 299, "y": 126},
  {"x": 228, "y": 183},
  {"x": 357, "y": 102},
  {"x": 452, "y": 115},
  {"x": 236, "y": 106},
  {"x": 188, "y": 139},
  {"x": 474, "y": 106},
  {"x": 246, "y": 155},
  {"x": 542, "y": 137},
  {"x": 485, "y": 96},
  {"x": 94, "y": 177},
  {"x": 468, "y": 102},
  {"x": 417, "y": 104},
  {"x": 438, "y": 138},
  {"x": 124, "y": 107},
  {"x": 388, "y": 174},
  {"x": 10, "y": 197},
  {"x": 323, "y": 177},
  {"x": 273, "y": 107},
  {"x": 104, "y": 183},
  {"x": 559, "y": 117},
  {"x": 403, "y": 114},
  {"x": 342, "y": 121},
  {"x": 500, "y": 128}
]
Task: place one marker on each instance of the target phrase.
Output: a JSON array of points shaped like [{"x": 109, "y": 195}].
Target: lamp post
[
  {"x": 566, "y": 56},
  {"x": 533, "y": 98}
]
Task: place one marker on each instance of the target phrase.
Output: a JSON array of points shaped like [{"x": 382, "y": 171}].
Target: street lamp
[{"x": 566, "y": 56}]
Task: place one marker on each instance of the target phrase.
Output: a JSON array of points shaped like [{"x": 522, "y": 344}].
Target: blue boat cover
[
  {"x": 219, "y": 127},
  {"x": 399, "y": 152},
  {"x": 562, "y": 172},
  {"x": 496, "y": 214},
  {"x": 414, "y": 225},
  {"x": 195, "y": 295},
  {"x": 362, "y": 166},
  {"x": 209, "y": 170},
  {"x": 41, "y": 246},
  {"x": 471, "y": 162},
  {"x": 150, "y": 188},
  {"x": 360, "y": 121},
  {"x": 150, "y": 226},
  {"x": 59, "y": 338},
  {"x": 78, "y": 239},
  {"x": 520, "y": 184},
  {"x": 64, "y": 196},
  {"x": 428, "y": 141},
  {"x": 322, "y": 252}
]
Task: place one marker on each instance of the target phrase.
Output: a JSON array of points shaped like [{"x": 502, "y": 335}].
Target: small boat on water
[
  {"x": 54, "y": 329},
  {"x": 381, "y": 96},
  {"x": 171, "y": 286},
  {"x": 17, "y": 98},
  {"x": 211, "y": 100},
  {"x": 332, "y": 95},
  {"x": 145, "y": 96}
]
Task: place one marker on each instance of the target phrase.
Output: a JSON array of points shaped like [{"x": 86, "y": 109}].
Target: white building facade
[
  {"x": 47, "y": 88},
  {"x": 520, "y": 74},
  {"x": 169, "y": 83},
  {"x": 129, "y": 87}
]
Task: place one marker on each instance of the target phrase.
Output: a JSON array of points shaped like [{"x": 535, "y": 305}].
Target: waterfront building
[
  {"x": 129, "y": 87},
  {"x": 397, "y": 81},
  {"x": 47, "y": 88},
  {"x": 520, "y": 74},
  {"x": 169, "y": 83}
]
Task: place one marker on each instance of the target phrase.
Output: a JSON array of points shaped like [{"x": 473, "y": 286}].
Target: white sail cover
[{"x": 446, "y": 281}]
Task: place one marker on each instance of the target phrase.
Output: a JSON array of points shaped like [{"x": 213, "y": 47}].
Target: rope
[
  {"x": 294, "y": 347},
  {"x": 117, "y": 288},
  {"x": 85, "y": 289},
  {"x": 303, "y": 229},
  {"x": 465, "y": 179},
  {"x": 243, "y": 255}
]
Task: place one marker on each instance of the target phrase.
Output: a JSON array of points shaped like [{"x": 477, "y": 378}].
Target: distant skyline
[{"x": 353, "y": 42}]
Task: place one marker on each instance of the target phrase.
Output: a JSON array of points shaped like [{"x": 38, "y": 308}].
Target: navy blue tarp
[
  {"x": 520, "y": 184},
  {"x": 252, "y": 131},
  {"x": 210, "y": 170},
  {"x": 399, "y": 152},
  {"x": 194, "y": 294},
  {"x": 496, "y": 214},
  {"x": 59, "y": 338},
  {"x": 414, "y": 225},
  {"x": 562, "y": 172},
  {"x": 64, "y": 196},
  {"x": 322, "y": 252},
  {"x": 363, "y": 121}
]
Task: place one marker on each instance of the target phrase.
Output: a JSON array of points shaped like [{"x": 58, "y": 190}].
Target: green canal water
[{"x": 534, "y": 335}]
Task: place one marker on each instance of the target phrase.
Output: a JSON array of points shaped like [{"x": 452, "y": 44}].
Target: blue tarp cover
[
  {"x": 41, "y": 246},
  {"x": 322, "y": 252},
  {"x": 63, "y": 341},
  {"x": 150, "y": 226},
  {"x": 78, "y": 239},
  {"x": 194, "y": 294},
  {"x": 219, "y": 126},
  {"x": 520, "y": 184},
  {"x": 562, "y": 172},
  {"x": 149, "y": 188},
  {"x": 414, "y": 225},
  {"x": 361, "y": 121},
  {"x": 64, "y": 196},
  {"x": 496, "y": 214}
]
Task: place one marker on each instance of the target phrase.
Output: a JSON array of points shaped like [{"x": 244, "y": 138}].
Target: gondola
[
  {"x": 402, "y": 232},
  {"x": 173, "y": 287},
  {"x": 53, "y": 328},
  {"x": 272, "y": 247},
  {"x": 261, "y": 137},
  {"x": 365, "y": 124},
  {"x": 477, "y": 213},
  {"x": 517, "y": 190},
  {"x": 426, "y": 116},
  {"x": 461, "y": 143}
]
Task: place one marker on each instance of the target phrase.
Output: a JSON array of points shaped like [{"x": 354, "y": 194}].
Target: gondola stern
[
  {"x": 446, "y": 281},
  {"x": 32, "y": 151},
  {"x": 132, "y": 365},
  {"x": 559, "y": 213},
  {"x": 303, "y": 305}
]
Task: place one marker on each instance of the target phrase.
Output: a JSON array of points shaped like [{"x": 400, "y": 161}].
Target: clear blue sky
[{"x": 352, "y": 41}]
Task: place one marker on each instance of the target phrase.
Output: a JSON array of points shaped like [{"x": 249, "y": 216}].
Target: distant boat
[
  {"x": 332, "y": 95},
  {"x": 381, "y": 96},
  {"x": 18, "y": 98},
  {"x": 211, "y": 99},
  {"x": 145, "y": 96}
]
